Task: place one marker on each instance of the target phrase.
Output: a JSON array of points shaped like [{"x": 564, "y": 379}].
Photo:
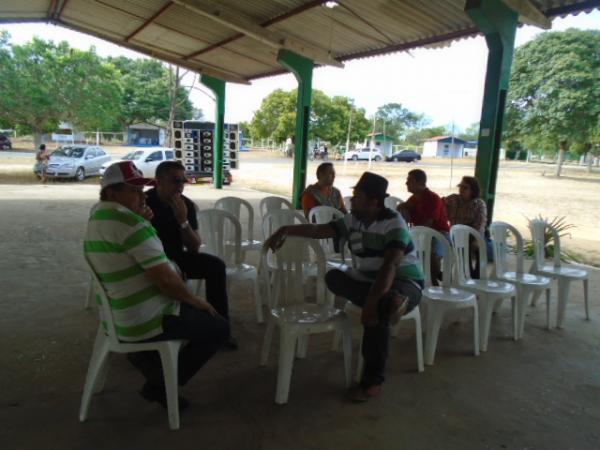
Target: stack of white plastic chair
[
  {"x": 213, "y": 223},
  {"x": 526, "y": 283},
  {"x": 296, "y": 318},
  {"x": 489, "y": 292},
  {"x": 392, "y": 202},
  {"x": 438, "y": 300},
  {"x": 273, "y": 203},
  {"x": 563, "y": 273},
  {"x": 107, "y": 341},
  {"x": 233, "y": 205}
]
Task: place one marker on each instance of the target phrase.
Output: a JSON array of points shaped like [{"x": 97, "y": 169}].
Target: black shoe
[
  {"x": 157, "y": 394},
  {"x": 231, "y": 344}
]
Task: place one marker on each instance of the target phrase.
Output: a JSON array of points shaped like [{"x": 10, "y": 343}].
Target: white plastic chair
[
  {"x": 525, "y": 283},
  {"x": 296, "y": 318},
  {"x": 323, "y": 215},
  {"x": 489, "y": 292},
  {"x": 233, "y": 205},
  {"x": 440, "y": 299},
  {"x": 107, "y": 341},
  {"x": 91, "y": 294},
  {"x": 348, "y": 202},
  {"x": 213, "y": 223},
  {"x": 392, "y": 202},
  {"x": 563, "y": 273},
  {"x": 273, "y": 203}
]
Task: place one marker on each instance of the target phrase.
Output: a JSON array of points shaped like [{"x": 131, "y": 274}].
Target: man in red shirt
[{"x": 426, "y": 208}]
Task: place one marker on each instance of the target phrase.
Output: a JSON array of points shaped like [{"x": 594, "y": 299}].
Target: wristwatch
[{"x": 184, "y": 225}]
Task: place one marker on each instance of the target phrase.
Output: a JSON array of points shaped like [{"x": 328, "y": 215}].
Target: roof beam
[
  {"x": 62, "y": 8},
  {"x": 266, "y": 37},
  {"x": 52, "y": 9},
  {"x": 198, "y": 67},
  {"x": 529, "y": 13},
  {"x": 155, "y": 16}
]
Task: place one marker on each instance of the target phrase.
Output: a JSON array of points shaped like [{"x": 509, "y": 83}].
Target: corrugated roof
[{"x": 239, "y": 40}]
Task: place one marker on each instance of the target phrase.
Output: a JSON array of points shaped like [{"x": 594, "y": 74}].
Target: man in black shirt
[{"x": 174, "y": 217}]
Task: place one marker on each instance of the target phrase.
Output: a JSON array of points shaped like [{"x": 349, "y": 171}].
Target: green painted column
[
  {"x": 302, "y": 69},
  {"x": 498, "y": 23},
  {"x": 218, "y": 88}
]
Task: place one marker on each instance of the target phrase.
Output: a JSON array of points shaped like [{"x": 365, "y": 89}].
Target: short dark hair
[
  {"x": 42, "y": 146},
  {"x": 473, "y": 184},
  {"x": 322, "y": 167},
  {"x": 166, "y": 166},
  {"x": 418, "y": 175},
  {"x": 115, "y": 187}
]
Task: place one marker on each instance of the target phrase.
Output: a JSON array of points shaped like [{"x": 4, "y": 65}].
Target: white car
[
  {"x": 146, "y": 159},
  {"x": 363, "y": 153}
]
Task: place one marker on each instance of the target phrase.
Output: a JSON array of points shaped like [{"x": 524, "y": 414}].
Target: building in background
[
  {"x": 145, "y": 133},
  {"x": 444, "y": 147}
]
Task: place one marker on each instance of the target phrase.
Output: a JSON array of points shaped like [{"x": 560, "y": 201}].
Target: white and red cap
[{"x": 124, "y": 172}]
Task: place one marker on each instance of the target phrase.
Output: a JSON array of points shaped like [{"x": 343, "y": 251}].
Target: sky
[{"x": 444, "y": 84}]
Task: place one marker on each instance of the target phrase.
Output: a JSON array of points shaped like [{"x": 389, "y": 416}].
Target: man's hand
[
  {"x": 277, "y": 239},
  {"x": 179, "y": 208},
  {"x": 370, "y": 315},
  {"x": 205, "y": 306},
  {"x": 147, "y": 213}
]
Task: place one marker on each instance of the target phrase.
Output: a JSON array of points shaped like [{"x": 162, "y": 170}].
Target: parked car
[
  {"x": 404, "y": 155},
  {"x": 5, "y": 143},
  {"x": 146, "y": 159},
  {"x": 363, "y": 154},
  {"x": 75, "y": 161}
]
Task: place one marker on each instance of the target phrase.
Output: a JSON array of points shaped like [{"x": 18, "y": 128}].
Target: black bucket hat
[{"x": 373, "y": 185}]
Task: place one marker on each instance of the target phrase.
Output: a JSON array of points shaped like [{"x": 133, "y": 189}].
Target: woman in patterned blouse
[{"x": 467, "y": 208}]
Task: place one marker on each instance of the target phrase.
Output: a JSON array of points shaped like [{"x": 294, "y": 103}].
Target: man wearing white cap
[{"x": 149, "y": 301}]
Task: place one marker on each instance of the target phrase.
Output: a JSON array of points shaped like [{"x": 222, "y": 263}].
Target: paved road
[{"x": 11, "y": 154}]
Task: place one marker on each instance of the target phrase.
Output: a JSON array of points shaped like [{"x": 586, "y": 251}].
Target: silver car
[{"x": 76, "y": 161}]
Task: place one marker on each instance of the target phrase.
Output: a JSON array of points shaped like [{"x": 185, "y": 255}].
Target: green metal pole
[
  {"x": 218, "y": 88},
  {"x": 498, "y": 23},
  {"x": 302, "y": 69}
]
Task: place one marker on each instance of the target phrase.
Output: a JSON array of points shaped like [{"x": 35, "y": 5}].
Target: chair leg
[
  {"x": 347, "y": 343},
  {"x": 302, "y": 347},
  {"x": 586, "y": 299},
  {"x": 91, "y": 294},
  {"x": 475, "y": 329},
  {"x": 287, "y": 346},
  {"x": 97, "y": 362},
  {"x": 419, "y": 340},
  {"x": 548, "y": 308},
  {"x": 169, "y": 356},
  {"x": 535, "y": 297},
  {"x": 523, "y": 294},
  {"x": 514, "y": 308},
  {"x": 266, "y": 347},
  {"x": 485, "y": 320},
  {"x": 563, "y": 297},
  {"x": 335, "y": 343},
  {"x": 257, "y": 301},
  {"x": 435, "y": 315}
]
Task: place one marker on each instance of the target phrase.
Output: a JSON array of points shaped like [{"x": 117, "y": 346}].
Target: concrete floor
[{"x": 542, "y": 392}]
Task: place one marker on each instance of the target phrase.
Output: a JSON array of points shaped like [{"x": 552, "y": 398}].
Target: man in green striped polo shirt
[
  {"x": 148, "y": 299},
  {"x": 387, "y": 280}
]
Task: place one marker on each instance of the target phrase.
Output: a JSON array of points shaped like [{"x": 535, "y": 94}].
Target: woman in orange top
[{"x": 322, "y": 193}]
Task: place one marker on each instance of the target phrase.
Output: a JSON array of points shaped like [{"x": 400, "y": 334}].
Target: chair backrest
[
  {"x": 233, "y": 205},
  {"x": 274, "y": 220},
  {"x": 392, "y": 202},
  {"x": 293, "y": 259},
  {"x": 322, "y": 215},
  {"x": 500, "y": 233},
  {"x": 106, "y": 316},
  {"x": 460, "y": 236},
  {"x": 422, "y": 240},
  {"x": 213, "y": 226},
  {"x": 273, "y": 203},
  {"x": 538, "y": 235}
]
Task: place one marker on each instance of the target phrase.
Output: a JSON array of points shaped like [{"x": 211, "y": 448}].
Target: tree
[
  {"x": 420, "y": 135},
  {"x": 554, "y": 99},
  {"x": 43, "y": 83},
  {"x": 471, "y": 133},
  {"x": 396, "y": 120},
  {"x": 147, "y": 86},
  {"x": 329, "y": 118}
]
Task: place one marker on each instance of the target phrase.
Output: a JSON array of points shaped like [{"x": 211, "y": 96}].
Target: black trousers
[
  {"x": 202, "y": 266},
  {"x": 376, "y": 338},
  {"x": 205, "y": 334}
]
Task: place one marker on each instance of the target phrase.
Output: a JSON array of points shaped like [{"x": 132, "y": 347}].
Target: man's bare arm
[
  {"x": 170, "y": 284},
  {"x": 323, "y": 231}
]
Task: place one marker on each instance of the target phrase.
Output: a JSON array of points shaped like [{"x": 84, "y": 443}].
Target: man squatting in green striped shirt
[
  {"x": 388, "y": 280},
  {"x": 148, "y": 298}
]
